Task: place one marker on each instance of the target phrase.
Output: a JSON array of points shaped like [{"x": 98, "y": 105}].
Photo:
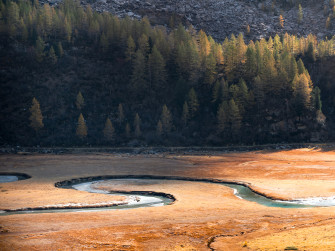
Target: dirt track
[{"x": 204, "y": 215}]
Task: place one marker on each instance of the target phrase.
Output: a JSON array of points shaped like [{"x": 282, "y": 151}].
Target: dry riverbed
[{"x": 204, "y": 216}]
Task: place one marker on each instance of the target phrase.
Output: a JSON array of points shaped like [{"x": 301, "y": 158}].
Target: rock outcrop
[{"x": 220, "y": 18}]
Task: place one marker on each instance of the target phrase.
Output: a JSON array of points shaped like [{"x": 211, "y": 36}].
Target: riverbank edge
[{"x": 197, "y": 150}]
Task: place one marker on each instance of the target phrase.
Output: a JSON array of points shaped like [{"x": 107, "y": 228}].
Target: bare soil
[{"x": 205, "y": 216}]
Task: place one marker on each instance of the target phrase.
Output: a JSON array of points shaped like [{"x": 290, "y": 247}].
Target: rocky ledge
[{"x": 220, "y": 18}]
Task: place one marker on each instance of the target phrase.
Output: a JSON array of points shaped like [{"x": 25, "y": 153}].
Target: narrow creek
[{"x": 139, "y": 199}]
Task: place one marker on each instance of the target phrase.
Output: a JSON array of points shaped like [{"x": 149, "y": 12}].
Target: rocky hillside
[{"x": 220, "y": 18}]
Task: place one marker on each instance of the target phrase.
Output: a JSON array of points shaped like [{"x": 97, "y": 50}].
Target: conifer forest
[{"x": 71, "y": 76}]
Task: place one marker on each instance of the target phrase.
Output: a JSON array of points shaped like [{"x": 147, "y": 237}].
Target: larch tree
[
  {"x": 157, "y": 69},
  {"x": 221, "y": 117},
  {"x": 104, "y": 43},
  {"x": 120, "y": 114},
  {"x": 247, "y": 29},
  {"x": 127, "y": 130},
  {"x": 143, "y": 45},
  {"x": 39, "y": 49},
  {"x": 300, "y": 14},
  {"x": 137, "y": 126},
  {"x": 185, "y": 115},
  {"x": 216, "y": 91},
  {"x": 317, "y": 98},
  {"x": 36, "y": 118},
  {"x": 60, "y": 51},
  {"x": 159, "y": 128},
  {"x": 52, "y": 55},
  {"x": 234, "y": 116},
  {"x": 166, "y": 119},
  {"x": 281, "y": 21},
  {"x": 193, "y": 102},
  {"x": 80, "y": 102},
  {"x": 109, "y": 130},
  {"x": 210, "y": 69},
  {"x": 301, "y": 93},
  {"x": 130, "y": 51},
  {"x": 138, "y": 77},
  {"x": 81, "y": 131},
  {"x": 204, "y": 44},
  {"x": 251, "y": 65}
]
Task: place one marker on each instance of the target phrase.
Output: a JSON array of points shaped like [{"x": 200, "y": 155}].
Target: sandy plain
[{"x": 204, "y": 216}]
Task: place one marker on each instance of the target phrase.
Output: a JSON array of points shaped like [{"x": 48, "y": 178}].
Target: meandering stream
[{"x": 138, "y": 199}]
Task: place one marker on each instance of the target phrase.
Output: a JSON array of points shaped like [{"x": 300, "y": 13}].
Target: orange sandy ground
[{"x": 204, "y": 216}]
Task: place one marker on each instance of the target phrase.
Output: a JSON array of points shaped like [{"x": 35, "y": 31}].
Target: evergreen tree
[
  {"x": 247, "y": 29},
  {"x": 300, "y": 14},
  {"x": 216, "y": 91},
  {"x": 81, "y": 127},
  {"x": 281, "y": 21},
  {"x": 130, "y": 51},
  {"x": 301, "y": 67},
  {"x": 60, "y": 50},
  {"x": 120, "y": 114},
  {"x": 67, "y": 30},
  {"x": 12, "y": 17},
  {"x": 234, "y": 116},
  {"x": 36, "y": 118},
  {"x": 259, "y": 93},
  {"x": 185, "y": 115},
  {"x": 127, "y": 130},
  {"x": 157, "y": 69},
  {"x": 251, "y": 64},
  {"x": 166, "y": 119},
  {"x": 301, "y": 93},
  {"x": 159, "y": 128},
  {"x": 221, "y": 117},
  {"x": 137, "y": 126},
  {"x": 104, "y": 43},
  {"x": 210, "y": 69},
  {"x": 193, "y": 103},
  {"x": 80, "y": 102},
  {"x": 108, "y": 130},
  {"x": 224, "y": 90},
  {"x": 204, "y": 45},
  {"x": 138, "y": 77},
  {"x": 39, "y": 49},
  {"x": 311, "y": 52},
  {"x": 52, "y": 55},
  {"x": 143, "y": 44},
  {"x": 317, "y": 99}
]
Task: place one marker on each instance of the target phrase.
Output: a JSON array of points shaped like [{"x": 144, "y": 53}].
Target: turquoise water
[
  {"x": 240, "y": 191},
  {"x": 247, "y": 194}
]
